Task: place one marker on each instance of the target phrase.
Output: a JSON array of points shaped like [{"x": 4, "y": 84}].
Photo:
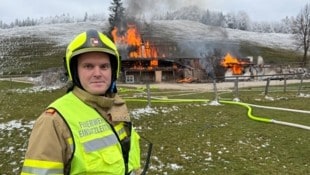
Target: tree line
[
  {"x": 57, "y": 19},
  {"x": 239, "y": 20},
  {"x": 234, "y": 20}
]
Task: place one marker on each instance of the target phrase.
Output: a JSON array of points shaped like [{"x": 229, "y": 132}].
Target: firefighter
[{"x": 87, "y": 130}]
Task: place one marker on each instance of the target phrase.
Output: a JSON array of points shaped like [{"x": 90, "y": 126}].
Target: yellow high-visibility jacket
[{"x": 93, "y": 141}]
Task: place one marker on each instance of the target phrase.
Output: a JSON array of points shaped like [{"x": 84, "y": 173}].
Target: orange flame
[
  {"x": 132, "y": 38},
  {"x": 231, "y": 62}
]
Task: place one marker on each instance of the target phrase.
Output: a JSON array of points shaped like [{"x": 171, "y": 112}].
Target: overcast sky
[{"x": 258, "y": 10}]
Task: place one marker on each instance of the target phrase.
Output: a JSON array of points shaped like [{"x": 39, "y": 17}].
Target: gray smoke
[
  {"x": 148, "y": 8},
  {"x": 193, "y": 46}
]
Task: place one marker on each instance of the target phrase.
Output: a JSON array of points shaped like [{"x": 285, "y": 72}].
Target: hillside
[
  {"x": 191, "y": 132},
  {"x": 29, "y": 49},
  {"x": 193, "y": 31}
]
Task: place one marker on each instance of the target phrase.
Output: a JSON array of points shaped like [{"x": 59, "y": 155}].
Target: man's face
[{"x": 95, "y": 72}]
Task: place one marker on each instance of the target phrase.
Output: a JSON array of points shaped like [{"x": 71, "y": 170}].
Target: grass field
[
  {"x": 192, "y": 137},
  {"x": 189, "y": 137}
]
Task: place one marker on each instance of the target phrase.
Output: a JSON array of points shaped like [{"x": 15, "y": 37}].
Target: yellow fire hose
[
  {"x": 248, "y": 106},
  {"x": 267, "y": 120}
]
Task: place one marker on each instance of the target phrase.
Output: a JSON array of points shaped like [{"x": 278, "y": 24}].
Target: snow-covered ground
[
  {"x": 23, "y": 127},
  {"x": 182, "y": 32},
  {"x": 60, "y": 33},
  {"x": 207, "y": 87},
  {"x": 178, "y": 30}
]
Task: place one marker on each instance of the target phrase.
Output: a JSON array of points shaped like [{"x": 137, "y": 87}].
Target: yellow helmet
[{"x": 91, "y": 41}]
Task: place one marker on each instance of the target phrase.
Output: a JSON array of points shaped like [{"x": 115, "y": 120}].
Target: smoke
[
  {"x": 192, "y": 47},
  {"x": 148, "y": 8}
]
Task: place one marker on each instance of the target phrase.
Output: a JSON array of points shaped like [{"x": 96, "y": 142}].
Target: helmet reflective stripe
[{"x": 91, "y": 41}]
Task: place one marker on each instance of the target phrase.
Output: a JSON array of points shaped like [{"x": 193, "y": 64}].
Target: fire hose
[
  {"x": 248, "y": 106},
  {"x": 267, "y": 120},
  {"x": 249, "y": 113}
]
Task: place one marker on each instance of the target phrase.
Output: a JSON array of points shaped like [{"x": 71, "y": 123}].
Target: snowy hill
[
  {"x": 201, "y": 37},
  {"x": 38, "y": 42},
  {"x": 179, "y": 30},
  {"x": 191, "y": 30}
]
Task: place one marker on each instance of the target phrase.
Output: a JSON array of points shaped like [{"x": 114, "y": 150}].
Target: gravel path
[
  {"x": 190, "y": 86},
  {"x": 209, "y": 86}
]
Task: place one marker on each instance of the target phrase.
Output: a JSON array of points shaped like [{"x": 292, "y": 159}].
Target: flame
[
  {"x": 231, "y": 62},
  {"x": 154, "y": 62},
  {"x": 186, "y": 80},
  {"x": 132, "y": 38},
  {"x": 138, "y": 66}
]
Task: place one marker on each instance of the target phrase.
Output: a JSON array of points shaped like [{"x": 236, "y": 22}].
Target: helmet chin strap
[{"x": 113, "y": 88}]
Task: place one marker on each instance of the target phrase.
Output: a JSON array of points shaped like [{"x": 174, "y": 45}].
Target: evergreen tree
[
  {"x": 117, "y": 16},
  {"x": 85, "y": 17}
]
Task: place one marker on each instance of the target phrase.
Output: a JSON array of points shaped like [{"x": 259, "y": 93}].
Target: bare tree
[{"x": 301, "y": 31}]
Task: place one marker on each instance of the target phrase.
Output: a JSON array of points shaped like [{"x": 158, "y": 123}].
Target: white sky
[{"x": 258, "y": 10}]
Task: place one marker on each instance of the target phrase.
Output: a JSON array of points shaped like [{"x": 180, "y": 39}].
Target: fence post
[
  {"x": 267, "y": 86},
  {"x": 285, "y": 84},
  {"x": 11, "y": 82},
  {"x": 148, "y": 94},
  {"x": 236, "y": 87},
  {"x": 215, "y": 90},
  {"x": 300, "y": 84}
]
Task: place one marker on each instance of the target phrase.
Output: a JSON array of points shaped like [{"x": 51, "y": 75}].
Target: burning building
[
  {"x": 146, "y": 58},
  {"x": 242, "y": 67},
  {"x": 236, "y": 65},
  {"x": 149, "y": 59},
  {"x": 245, "y": 69}
]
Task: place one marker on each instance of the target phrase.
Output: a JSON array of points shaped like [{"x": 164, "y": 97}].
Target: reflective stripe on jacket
[
  {"x": 34, "y": 167},
  {"x": 94, "y": 134},
  {"x": 97, "y": 149}
]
